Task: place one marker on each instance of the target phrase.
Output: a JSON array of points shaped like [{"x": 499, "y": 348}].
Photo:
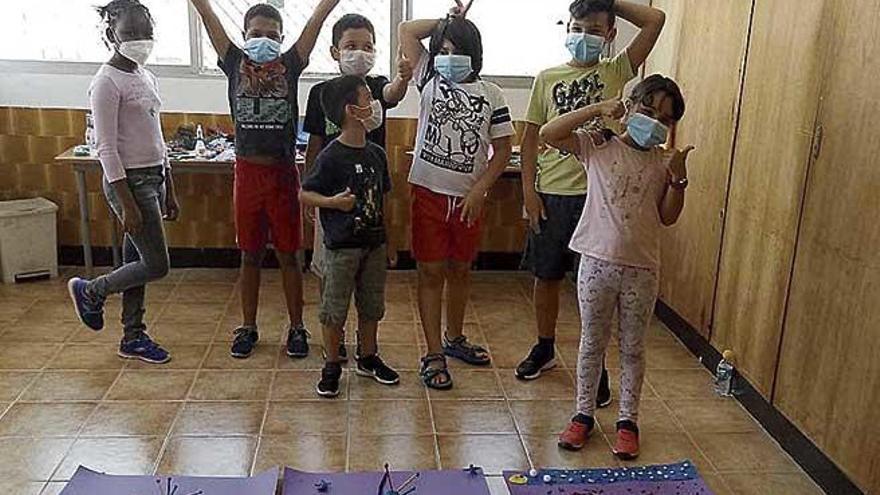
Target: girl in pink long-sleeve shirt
[{"x": 137, "y": 177}]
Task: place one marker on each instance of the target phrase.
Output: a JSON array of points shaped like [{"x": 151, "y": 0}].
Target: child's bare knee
[{"x": 253, "y": 258}]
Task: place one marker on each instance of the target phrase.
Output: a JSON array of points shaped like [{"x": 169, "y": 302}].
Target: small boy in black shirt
[{"x": 348, "y": 183}]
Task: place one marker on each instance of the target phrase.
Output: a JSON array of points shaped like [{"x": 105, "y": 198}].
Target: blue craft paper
[
  {"x": 88, "y": 482},
  {"x": 457, "y": 482}
]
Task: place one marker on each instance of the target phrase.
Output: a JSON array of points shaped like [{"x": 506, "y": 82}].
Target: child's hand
[
  {"x": 404, "y": 68},
  {"x": 472, "y": 206},
  {"x": 343, "y": 201},
  {"x": 677, "y": 166},
  {"x": 172, "y": 208},
  {"x": 132, "y": 220},
  {"x": 534, "y": 209},
  {"x": 391, "y": 255},
  {"x": 613, "y": 109},
  {"x": 460, "y": 10}
]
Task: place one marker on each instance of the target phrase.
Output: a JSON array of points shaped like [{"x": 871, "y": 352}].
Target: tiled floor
[{"x": 67, "y": 399}]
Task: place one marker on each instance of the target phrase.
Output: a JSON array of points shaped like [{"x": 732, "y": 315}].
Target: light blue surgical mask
[
  {"x": 455, "y": 68},
  {"x": 262, "y": 50},
  {"x": 645, "y": 131},
  {"x": 585, "y": 47}
]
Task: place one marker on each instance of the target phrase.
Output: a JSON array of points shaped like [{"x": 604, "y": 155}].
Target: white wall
[{"x": 179, "y": 94}]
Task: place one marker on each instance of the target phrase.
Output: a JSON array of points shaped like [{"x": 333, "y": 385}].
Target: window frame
[{"x": 400, "y": 10}]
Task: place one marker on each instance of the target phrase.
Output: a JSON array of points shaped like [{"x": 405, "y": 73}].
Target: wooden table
[{"x": 83, "y": 164}]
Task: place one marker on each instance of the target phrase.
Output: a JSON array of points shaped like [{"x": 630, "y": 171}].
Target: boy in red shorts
[{"x": 263, "y": 101}]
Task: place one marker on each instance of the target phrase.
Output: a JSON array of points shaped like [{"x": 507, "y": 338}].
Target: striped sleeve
[{"x": 500, "y": 122}]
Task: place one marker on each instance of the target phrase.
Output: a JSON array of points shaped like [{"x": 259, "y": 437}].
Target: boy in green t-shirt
[{"x": 554, "y": 182}]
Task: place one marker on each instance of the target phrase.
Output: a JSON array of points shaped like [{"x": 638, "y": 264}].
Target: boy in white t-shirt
[{"x": 461, "y": 119}]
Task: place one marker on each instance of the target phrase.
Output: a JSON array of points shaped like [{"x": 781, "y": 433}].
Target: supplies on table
[{"x": 192, "y": 142}]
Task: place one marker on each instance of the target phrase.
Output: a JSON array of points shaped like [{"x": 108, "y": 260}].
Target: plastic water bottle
[
  {"x": 91, "y": 140},
  {"x": 724, "y": 375},
  {"x": 201, "y": 149}
]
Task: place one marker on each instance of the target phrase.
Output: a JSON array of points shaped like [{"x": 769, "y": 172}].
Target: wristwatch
[{"x": 680, "y": 184}]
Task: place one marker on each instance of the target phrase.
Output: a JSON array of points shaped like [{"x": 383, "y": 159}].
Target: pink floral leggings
[{"x": 602, "y": 287}]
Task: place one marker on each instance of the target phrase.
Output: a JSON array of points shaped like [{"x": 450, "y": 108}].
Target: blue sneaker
[
  {"x": 145, "y": 349},
  {"x": 246, "y": 339},
  {"x": 89, "y": 310}
]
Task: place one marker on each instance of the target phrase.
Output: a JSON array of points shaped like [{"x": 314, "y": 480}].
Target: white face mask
[
  {"x": 356, "y": 62},
  {"x": 375, "y": 119},
  {"x": 137, "y": 51}
]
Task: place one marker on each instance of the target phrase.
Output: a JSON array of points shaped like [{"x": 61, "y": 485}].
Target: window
[
  {"x": 527, "y": 38},
  {"x": 71, "y": 31},
  {"x": 296, "y": 13}
]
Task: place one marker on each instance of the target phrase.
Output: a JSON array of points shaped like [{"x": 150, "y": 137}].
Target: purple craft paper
[
  {"x": 88, "y": 482},
  {"x": 688, "y": 487},
  {"x": 457, "y": 482}
]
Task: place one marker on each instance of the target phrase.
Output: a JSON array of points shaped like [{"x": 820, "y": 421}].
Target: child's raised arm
[
  {"x": 216, "y": 33},
  {"x": 650, "y": 22},
  {"x": 309, "y": 36},
  {"x": 560, "y": 132},
  {"x": 411, "y": 34}
]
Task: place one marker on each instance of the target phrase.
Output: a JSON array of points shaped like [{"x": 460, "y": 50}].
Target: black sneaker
[
  {"x": 374, "y": 367},
  {"x": 246, "y": 339},
  {"x": 540, "y": 359},
  {"x": 603, "y": 397},
  {"x": 298, "y": 341},
  {"x": 329, "y": 384}
]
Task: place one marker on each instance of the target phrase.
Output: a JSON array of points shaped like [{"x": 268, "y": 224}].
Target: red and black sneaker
[
  {"x": 575, "y": 435},
  {"x": 627, "y": 445}
]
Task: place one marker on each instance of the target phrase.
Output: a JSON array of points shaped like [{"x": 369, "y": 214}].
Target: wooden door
[
  {"x": 709, "y": 58},
  {"x": 779, "y": 105},
  {"x": 829, "y": 371}
]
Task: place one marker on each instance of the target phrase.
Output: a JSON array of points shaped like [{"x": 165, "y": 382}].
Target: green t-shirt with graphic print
[{"x": 561, "y": 89}]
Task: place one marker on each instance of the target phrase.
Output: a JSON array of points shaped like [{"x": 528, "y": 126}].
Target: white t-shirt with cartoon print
[{"x": 457, "y": 123}]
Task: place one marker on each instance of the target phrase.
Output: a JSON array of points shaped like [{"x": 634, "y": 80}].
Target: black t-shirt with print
[
  {"x": 316, "y": 122},
  {"x": 365, "y": 172},
  {"x": 263, "y": 102}
]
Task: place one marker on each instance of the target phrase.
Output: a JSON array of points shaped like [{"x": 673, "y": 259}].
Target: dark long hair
[{"x": 467, "y": 40}]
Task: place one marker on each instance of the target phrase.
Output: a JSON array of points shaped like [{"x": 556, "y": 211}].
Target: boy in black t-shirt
[
  {"x": 349, "y": 184},
  {"x": 354, "y": 40},
  {"x": 263, "y": 102}
]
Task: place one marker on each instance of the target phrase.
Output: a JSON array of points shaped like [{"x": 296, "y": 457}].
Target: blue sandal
[
  {"x": 460, "y": 348},
  {"x": 428, "y": 374}
]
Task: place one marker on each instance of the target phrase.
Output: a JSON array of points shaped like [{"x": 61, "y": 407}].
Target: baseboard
[
  {"x": 230, "y": 258},
  {"x": 813, "y": 461}
]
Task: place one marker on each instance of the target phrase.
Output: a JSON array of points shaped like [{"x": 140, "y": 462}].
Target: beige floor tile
[
  {"x": 54, "y": 332},
  {"x": 472, "y": 385},
  {"x": 152, "y": 385},
  {"x": 36, "y": 419},
  {"x": 366, "y": 388},
  {"x": 27, "y": 356},
  {"x": 132, "y": 455},
  {"x": 183, "y": 357},
  {"x": 12, "y": 383},
  {"x": 197, "y": 456},
  {"x": 404, "y": 417},
  {"x": 216, "y": 275},
  {"x": 131, "y": 419},
  {"x": 716, "y": 483},
  {"x": 300, "y": 385},
  {"x": 718, "y": 415},
  {"x": 196, "y": 292},
  {"x": 192, "y": 312},
  {"x": 322, "y": 453},
  {"x": 671, "y": 357},
  {"x": 31, "y": 458},
  {"x": 396, "y": 333},
  {"x": 328, "y": 417},
  {"x": 264, "y": 357},
  {"x": 11, "y": 309},
  {"x": 88, "y": 357},
  {"x": 494, "y": 453},
  {"x": 544, "y": 452},
  {"x": 554, "y": 384},
  {"x": 537, "y": 417},
  {"x": 654, "y": 416},
  {"x": 21, "y": 487},
  {"x": 70, "y": 385},
  {"x": 466, "y": 417},
  {"x": 220, "y": 418},
  {"x": 681, "y": 384},
  {"x": 777, "y": 484},
  {"x": 403, "y": 452},
  {"x": 231, "y": 385},
  {"x": 744, "y": 452},
  {"x": 184, "y": 333}
]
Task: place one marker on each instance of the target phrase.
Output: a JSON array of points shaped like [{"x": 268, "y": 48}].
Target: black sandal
[
  {"x": 460, "y": 348},
  {"x": 428, "y": 374}
]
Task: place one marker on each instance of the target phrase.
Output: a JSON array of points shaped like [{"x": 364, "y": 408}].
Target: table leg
[
  {"x": 114, "y": 237},
  {"x": 84, "y": 218}
]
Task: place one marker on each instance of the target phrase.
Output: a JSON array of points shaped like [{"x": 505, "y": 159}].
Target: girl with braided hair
[{"x": 125, "y": 103}]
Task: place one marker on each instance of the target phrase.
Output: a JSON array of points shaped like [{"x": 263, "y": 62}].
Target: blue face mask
[
  {"x": 585, "y": 47},
  {"x": 455, "y": 68},
  {"x": 262, "y": 50},
  {"x": 645, "y": 131}
]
